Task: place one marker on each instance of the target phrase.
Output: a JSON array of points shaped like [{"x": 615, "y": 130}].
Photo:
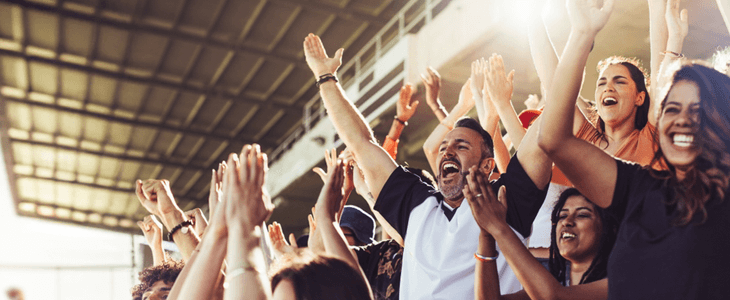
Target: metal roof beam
[
  {"x": 144, "y": 80},
  {"x": 181, "y": 35},
  {"x": 165, "y": 163},
  {"x": 158, "y": 126}
]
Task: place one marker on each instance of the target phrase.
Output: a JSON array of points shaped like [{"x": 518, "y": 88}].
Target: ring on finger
[{"x": 478, "y": 195}]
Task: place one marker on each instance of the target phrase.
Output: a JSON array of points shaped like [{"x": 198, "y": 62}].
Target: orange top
[
  {"x": 390, "y": 146},
  {"x": 639, "y": 147}
]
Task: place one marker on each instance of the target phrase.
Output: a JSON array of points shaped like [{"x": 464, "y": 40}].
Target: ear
[
  {"x": 640, "y": 98},
  {"x": 487, "y": 165}
]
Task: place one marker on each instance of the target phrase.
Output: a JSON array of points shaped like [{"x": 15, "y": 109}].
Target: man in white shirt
[{"x": 440, "y": 238}]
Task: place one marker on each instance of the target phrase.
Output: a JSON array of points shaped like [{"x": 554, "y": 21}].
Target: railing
[{"x": 404, "y": 22}]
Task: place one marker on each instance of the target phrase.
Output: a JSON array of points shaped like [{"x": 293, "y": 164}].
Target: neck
[
  {"x": 577, "y": 269},
  {"x": 618, "y": 133},
  {"x": 454, "y": 203}
]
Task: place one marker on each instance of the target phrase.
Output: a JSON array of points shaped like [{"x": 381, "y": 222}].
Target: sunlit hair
[
  {"x": 638, "y": 76},
  {"x": 598, "y": 268},
  {"x": 466, "y": 122},
  {"x": 319, "y": 277},
  {"x": 167, "y": 272},
  {"x": 709, "y": 178}
]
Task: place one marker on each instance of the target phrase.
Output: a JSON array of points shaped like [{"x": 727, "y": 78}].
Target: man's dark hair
[
  {"x": 472, "y": 124},
  {"x": 168, "y": 272}
]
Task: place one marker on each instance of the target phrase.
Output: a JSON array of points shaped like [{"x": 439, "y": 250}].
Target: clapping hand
[
  {"x": 404, "y": 108},
  {"x": 489, "y": 210},
  {"x": 279, "y": 242},
  {"x": 587, "y": 17},
  {"x": 156, "y": 196},
  {"x": 247, "y": 203}
]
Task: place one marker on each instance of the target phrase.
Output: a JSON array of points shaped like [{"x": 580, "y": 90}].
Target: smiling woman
[{"x": 582, "y": 234}]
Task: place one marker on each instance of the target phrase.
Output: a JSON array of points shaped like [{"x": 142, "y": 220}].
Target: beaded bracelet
[{"x": 176, "y": 228}]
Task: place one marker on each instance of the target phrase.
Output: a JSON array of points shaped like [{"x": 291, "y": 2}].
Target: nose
[
  {"x": 569, "y": 221},
  {"x": 156, "y": 296},
  {"x": 684, "y": 118}
]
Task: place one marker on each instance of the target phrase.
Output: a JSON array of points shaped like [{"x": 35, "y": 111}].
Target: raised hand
[
  {"x": 330, "y": 158},
  {"x": 677, "y": 24},
  {"x": 317, "y": 58},
  {"x": 247, "y": 203},
  {"x": 330, "y": 198},
  {"x": 466, "y": 99},
  {"x": 198, "y": 219},
  {"x": 489, "y": 211},
  {"x": 152, "y": 230},
  {"x": 279, "y": 242},
  {"x": 477, "y": 78},
  {"x": 156, "y": 196},
  {"x": 216, "y": 188},
  {"x": 404, "y": 108},
  {"x": 499, "y": 84},
  {"x": 432, "y": 82},
  {"x": 587, "y": 17}
]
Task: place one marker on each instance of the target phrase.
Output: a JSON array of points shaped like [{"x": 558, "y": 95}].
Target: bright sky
[{"x": 56, "y": 261}]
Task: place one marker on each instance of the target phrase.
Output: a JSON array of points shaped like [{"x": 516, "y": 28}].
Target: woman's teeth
[
  {"x": 609, "y": 101},
  {"x": 683, "y": 140},
  {"x": 567, "y": 235}
]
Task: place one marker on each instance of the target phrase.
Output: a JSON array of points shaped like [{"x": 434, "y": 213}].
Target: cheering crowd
[{"x": 620, "y": 199}]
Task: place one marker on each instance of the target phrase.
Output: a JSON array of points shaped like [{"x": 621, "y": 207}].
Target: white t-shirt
[
  {"x": 438, "y": 255},
  {"x": 540, "y": 237}
]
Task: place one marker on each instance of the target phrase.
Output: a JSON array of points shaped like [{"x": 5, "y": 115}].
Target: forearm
[
  {"x": 158, "y": 255},
  {"x": 185, "y": 238},
  {"x": 245, "y": 276},
  {"x": 356, "y": 134},
  {"x": 438, "y": 109},
  {"x": 201, "y": 277},
  {"x": 501, "y": 153},
  {"x": 395, "y": 130},
  {"x": 511, "y": 122},
  {"x": 557, "y": 118},
  {"x": 657, "y": 39},
  {"x": 543, "y": 53},
  {"x": 334, "y": 241},
  {"x": 486, "y": 285},
  {"x": 535, "y": 279}
]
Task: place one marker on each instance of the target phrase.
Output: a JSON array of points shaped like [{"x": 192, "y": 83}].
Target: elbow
[{"x": 548, "y": 144}]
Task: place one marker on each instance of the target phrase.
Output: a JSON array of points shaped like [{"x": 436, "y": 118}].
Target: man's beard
[{"x": 453, "y": 189}]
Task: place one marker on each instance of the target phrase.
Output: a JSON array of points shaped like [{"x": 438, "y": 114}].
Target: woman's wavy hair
[
  {"x": 319, "y": 277},
  {"x": 599, "y": 267},
  {"x": 167, "y": 272},
  {"x": 710, "y": 177},
  {"x": 638, "y": 75}
]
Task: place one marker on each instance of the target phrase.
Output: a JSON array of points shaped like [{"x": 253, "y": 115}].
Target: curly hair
[
  {"x": 710, "y": 177},
  {"x": 319, "y": 277},
  {"x": 599, "y": 266},
  {"x": 638, "y": 76},
  {"x": 168, "y": 272}
]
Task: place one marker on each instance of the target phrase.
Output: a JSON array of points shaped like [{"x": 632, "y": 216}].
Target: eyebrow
[
  {"x": 577, "y": 209},
  {"x": 458, "y": 141},
  {"x": 614, "y": 77}
]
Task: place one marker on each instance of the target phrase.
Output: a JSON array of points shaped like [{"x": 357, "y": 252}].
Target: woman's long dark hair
[
  {"x": 319, "y": 277},
  {"x": 710, "y": 177},
  {"x": 598, "y": 268},
  {"x": 639, "y": 77}
]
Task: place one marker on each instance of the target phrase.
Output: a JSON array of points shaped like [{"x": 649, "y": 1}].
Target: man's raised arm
[{"x": 349, "y": 123}]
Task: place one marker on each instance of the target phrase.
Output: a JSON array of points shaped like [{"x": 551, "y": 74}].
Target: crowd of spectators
[{"x": 618, "y": 197}]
